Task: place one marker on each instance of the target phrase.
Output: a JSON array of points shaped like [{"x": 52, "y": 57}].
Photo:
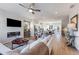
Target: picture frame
[{"x": 74, "y": 20}]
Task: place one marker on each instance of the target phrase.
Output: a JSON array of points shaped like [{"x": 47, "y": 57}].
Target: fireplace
[{"x": 12, "y": 34}]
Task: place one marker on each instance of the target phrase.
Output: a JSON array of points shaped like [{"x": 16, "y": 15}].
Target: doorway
[{"x": 26, "y": 29}]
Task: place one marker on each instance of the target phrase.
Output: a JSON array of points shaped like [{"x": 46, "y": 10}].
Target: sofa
[{"x": 38, "y": 47}]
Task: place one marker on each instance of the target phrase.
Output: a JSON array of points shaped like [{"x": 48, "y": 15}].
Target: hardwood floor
[{"x": 59, "y": 47}]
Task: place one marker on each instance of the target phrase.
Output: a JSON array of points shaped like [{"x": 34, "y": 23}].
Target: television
[{"x": 13, "y": 23}]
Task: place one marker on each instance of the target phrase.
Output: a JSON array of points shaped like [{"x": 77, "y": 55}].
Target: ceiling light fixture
[{"x": 30, "y": 10}]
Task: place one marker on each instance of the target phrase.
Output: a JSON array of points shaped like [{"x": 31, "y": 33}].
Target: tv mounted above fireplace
[{"x": 13, "y": 23}]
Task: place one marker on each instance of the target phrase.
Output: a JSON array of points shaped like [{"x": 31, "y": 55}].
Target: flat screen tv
[{"x": 13, "y": 23}]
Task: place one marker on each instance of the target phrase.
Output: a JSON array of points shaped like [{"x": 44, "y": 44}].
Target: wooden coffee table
[{"x": 19, "y": 42}]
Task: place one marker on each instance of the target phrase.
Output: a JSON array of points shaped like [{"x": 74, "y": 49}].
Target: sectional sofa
[{"x": 42, "y": 46}]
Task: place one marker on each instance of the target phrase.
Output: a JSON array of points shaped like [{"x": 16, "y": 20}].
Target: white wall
[
  {"x": 3, "y": 25},
  {"x": 65, "y": 21},
  {"x": 32, "y": 28}
]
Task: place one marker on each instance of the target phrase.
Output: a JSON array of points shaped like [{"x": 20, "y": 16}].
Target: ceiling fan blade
[
  {"x": 22, "y": 5},
  {"x": 30, "y": 7},
  {"x": 35, "y": 9}
]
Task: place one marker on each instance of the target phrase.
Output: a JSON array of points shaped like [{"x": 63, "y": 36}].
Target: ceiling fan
[{"x": 30, "y": 8}]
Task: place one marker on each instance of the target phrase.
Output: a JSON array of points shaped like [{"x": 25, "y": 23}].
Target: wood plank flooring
[{"x": 59, "y": 47}]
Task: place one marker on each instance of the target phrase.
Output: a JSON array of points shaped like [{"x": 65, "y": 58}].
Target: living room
[{"x": 29, "y": 26}]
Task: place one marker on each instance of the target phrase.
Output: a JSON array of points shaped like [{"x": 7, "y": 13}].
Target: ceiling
[{"x": 48, "y": 10}]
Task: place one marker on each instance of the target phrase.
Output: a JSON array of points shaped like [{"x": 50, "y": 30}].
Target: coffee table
[{"x": 19, "y": 42}]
